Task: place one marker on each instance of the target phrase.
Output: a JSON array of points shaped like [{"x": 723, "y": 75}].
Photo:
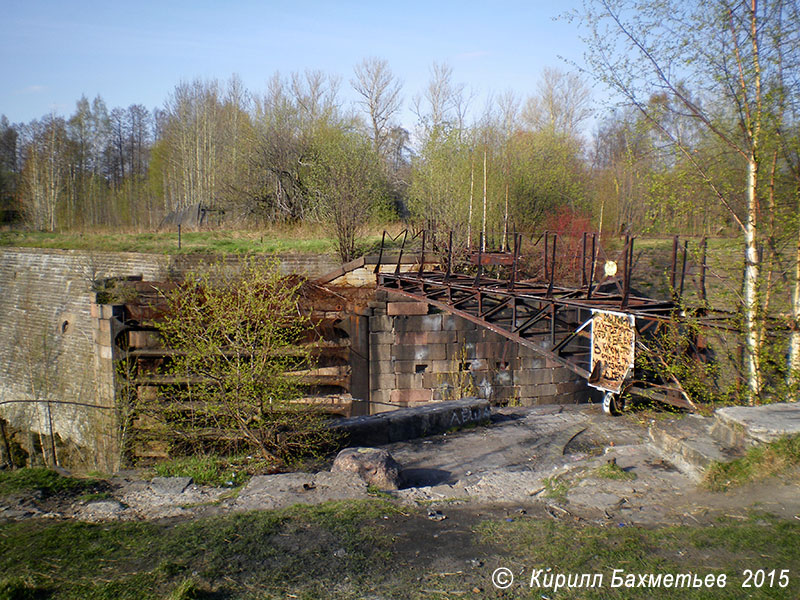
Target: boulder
[{"x": 374, "y": 465}]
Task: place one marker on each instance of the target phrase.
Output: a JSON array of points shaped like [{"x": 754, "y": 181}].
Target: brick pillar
[{"x": 106, "y": 423}]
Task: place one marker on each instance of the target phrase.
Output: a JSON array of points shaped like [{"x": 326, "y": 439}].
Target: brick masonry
[
  {"x": 419, "y": 356},
  {"x": 55, "y": 345}
]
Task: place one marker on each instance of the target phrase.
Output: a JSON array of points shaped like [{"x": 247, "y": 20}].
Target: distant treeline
[{"x": 297, "y": 152}]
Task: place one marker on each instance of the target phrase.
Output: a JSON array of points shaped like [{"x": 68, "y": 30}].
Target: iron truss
[{"x": 553, "y": 321}]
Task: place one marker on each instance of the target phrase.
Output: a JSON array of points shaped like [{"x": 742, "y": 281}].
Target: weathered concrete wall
[
  {"x": 417, "y": 357},
  {"x": 52, "y": 348}
]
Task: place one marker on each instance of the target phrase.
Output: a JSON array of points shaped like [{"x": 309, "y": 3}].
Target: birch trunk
[
  {"x": 750, "y": 288},
  {"x": 794, "y": 336}
]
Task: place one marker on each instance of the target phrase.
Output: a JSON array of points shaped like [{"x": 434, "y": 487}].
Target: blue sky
[{"x": 52, "y": 52}]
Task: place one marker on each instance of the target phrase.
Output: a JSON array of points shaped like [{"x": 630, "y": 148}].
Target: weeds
[
  {"x": 758, "y": 463},
  {"x": 611, "y": 470},
  {"x": 556, "y": 488},
  {"x": 43, "y": 480}
]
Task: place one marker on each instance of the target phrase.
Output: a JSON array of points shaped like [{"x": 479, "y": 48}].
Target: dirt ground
[{"x": 543, "y": 461}]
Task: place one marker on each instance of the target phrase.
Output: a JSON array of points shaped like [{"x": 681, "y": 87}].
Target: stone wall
[
  {"x": 417, "y": 357},
  {"x": 56, "y": 373}
]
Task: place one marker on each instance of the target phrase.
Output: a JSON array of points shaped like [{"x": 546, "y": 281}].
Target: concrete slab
[{"x": 763, "y": 423}]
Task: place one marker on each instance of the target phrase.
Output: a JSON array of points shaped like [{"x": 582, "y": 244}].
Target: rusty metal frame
[{"x": 549, "y": 319}]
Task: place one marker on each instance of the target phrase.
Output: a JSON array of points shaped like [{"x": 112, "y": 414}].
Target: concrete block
[
  {"x": 429, "y": 352},
  {"x": 104, "y": 325},
  {"x": 406, "y": 308},
  {"x": 105, "y": 352},
  {"x": 381, "y": 323},
  {"x": 528, "y": 377},
  {"x": 464, "y": 351},
  {"x": 479, "y": 364},
  {"x": 405, "y": 396},
  {"x": 458, "y": 323},
  {"x": 380, "y": 352},
  {"x": 94, "y": 310},
  {"x": 409, "y": 381},
  {"x": 431, "y": 322},
  {"x": 379, "y": 397},
  {"x": 383, "y": 337},
  {"x": 443, "y": 337},
  {"x": 382, "y": 381},
  {"x": 472, "y": 336},
  {"x": 413, "y": 338},
  {"x": 443, "y": 366},
  {"x": 436, "y": 380},
  {"x": 409, "y": 366},
  {"x": 564, "y": 375},
  {"x": 503, "y": 378}
]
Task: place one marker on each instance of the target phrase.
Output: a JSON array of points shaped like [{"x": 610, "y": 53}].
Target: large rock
[{"x": 374, "y": 465}]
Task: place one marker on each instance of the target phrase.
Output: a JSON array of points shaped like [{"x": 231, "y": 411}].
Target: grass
[
  {"x": 774, "y": 458},
  {"x": 354, "y": 549},
  {"x": 272, "y": 550},
  {"x": 725, "y": 547},
  {"x": 556, "y": 488},
  {"x": 306, "y": 238},
  {"x": 212, "y": 470},
  {"x": 612, "y": 470},
  {"x": 43, "y": 480}
]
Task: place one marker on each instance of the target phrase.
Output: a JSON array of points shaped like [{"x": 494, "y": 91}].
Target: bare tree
[
  {"x": 563, "y": 102},
  {"x": 380, "y": 93}
]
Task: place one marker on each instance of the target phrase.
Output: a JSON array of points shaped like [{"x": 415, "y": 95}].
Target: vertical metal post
[
  {"x": 515, "y": 262},
  {"x": 544, "y": 256},
  {"x": 625, "y": 255},
  {"x": 400, "y": 256},
  {"x": 552, "y": 265},
  {"x": 674, "y": 269},
  {"x": 703, "y": 295},
  {"x": 683, "y": 268},
  {"x": 583, "y": 260},
  {"x": 592, "y": 268},
  {"x": 422, "y": 255},
  {"x": 479, "y": 274},
  {"x": 380, "y": 254},
  {"x": 449, "y": 257}
]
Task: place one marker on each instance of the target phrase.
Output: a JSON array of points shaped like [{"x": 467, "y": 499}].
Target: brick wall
[
  {"x": 417, "y": 357},
  {"x": 53, "y": 348}
]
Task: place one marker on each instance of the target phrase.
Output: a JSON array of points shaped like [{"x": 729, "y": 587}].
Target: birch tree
[
  {"x": 380, "y": 98},
  {"x": 725, "y": 52}
]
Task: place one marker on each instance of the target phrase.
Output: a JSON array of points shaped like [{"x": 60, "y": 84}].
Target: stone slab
[
  {"x": 763, "y": 423},
  {"x": 170, "y": 485}
]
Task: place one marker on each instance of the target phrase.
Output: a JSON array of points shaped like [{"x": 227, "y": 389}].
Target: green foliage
[
  {"x": 673, "y": 354},
  {"x": 347, "y": 183},
  {"x": 43, "y": 480},
  {"x": 211, "y": 470},
  {"x": 235, "y": 337},
  {"x": 556, "y": 488},
  {"x": 611, "y": 470},
  {"x": 760, "y": 462},
  {"x": 273, "y": 550}
]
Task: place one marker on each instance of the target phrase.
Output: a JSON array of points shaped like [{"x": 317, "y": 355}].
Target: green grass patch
[
  {"x": 301, "y": 238},
  {"x": 303, "y": 548},
  {"x": 727, "y": 547},
  {"x": 350, "y": 550},
  {"x": 774, "y": 458},
  {"x": 612, "y": 470},
  {"x": 43, "y": 480},
  {"x": 556, "y": 488},
  {"x": 211, "y": 470}
]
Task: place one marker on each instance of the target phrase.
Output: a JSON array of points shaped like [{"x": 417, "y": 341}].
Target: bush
[{"x": 235, "y": 336}]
